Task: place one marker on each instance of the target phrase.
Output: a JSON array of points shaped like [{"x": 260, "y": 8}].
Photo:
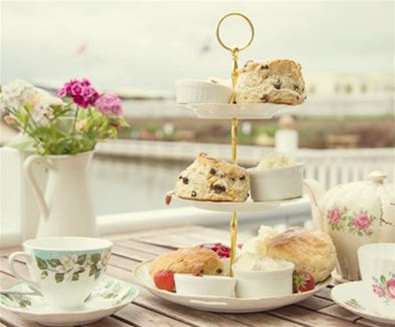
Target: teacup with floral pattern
[
  {"x": 64, "y": 269},
  {"x": 377, "y": 265}
]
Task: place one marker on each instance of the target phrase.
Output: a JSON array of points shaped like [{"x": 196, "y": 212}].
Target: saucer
[
  {"x": 220, "y": 304},
  {"x": 108, "y": 297},
  {"x": 355, "y": 297}
]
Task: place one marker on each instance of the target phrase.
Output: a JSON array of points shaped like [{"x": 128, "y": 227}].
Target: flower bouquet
[
  {"x": 63, "y": 131},
  {"x": 71, "y": 123}
]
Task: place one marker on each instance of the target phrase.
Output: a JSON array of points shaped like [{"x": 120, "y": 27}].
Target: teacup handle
[{"x": 28, "y": 257}]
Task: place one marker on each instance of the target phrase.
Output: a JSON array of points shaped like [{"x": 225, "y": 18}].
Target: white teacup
[
  {"x": 64, "y": 269},
  {"x": 377, "y": 266}
]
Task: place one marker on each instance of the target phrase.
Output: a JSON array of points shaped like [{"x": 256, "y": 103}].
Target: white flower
[
  {"x": 67, "y": 263},
  {"x": 18, "y": 93},
  {"x": 60, "y": 269}
]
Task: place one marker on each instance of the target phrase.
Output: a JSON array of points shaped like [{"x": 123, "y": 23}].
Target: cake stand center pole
[
  {"x": 233, "y": 239},
  {"x": 234, "y": 131},
  {"x": 234, "y": 219}
]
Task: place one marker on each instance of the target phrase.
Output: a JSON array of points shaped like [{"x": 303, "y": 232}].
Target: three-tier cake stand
[{"x": 234, "y": 112}]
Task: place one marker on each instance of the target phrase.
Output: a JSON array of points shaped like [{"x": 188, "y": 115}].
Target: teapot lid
[{"x": 377, "y": 176}]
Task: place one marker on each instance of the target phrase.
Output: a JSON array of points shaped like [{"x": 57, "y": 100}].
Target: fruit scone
[
  {"x": 209, "y": 179},
  {"x": 277, "y": 81},
  {"x": 197, "y": 261}
]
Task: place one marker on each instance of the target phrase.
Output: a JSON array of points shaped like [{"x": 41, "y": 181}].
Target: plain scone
[
  {"x": 311, "y": 251},
  {"x": 209, "y": 179},
  {"x": 195, "y": 261},
  {"x": 279, "y": 81}
]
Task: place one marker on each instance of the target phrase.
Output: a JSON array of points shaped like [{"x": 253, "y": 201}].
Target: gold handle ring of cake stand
[
  {"x": 249, "y": 23},
  {"x": 234, "y": 131}
]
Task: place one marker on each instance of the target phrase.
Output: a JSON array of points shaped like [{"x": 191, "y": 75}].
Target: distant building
[{"x": 350, "y": 84}]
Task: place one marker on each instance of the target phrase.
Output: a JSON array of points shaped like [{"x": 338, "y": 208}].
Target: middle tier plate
[
  {"x": 240, "y": 111},
  {"x": 247, "y": 206}
]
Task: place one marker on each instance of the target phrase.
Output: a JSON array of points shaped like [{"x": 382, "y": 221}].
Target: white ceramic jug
[{"x": 66, "y": 209}]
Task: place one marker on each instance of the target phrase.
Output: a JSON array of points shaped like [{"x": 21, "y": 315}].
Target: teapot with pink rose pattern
[{"x": 354, "y": 214}]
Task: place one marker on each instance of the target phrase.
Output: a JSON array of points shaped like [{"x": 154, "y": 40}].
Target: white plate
[
  {"x": 219, "y": 304},
  {"x": 240, "y": 111},
  {"x": 355, "y": 297},
  {"x": 110, "y": 296},
  {"x": 247, "y": 206}
]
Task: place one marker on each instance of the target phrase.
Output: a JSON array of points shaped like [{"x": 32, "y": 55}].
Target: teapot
[{"x": 354, "y": 214}]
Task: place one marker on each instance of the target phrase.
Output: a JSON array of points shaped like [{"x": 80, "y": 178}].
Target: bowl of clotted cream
[{"x": 277, "y": 177}]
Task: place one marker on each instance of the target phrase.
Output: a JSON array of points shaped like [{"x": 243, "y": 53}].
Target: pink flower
[
  {"x": 379, "y": 291},
  {"x": 109, "y": 105},
  {"x": 391, "y": 288},
  {"x": 334, "y": 216},
  {"x": 81, "y": 91},
  {"x": 362, "y": 221}
]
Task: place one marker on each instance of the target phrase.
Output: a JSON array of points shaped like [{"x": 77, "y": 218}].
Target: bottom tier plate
[
  {"x": 220, "y": 304},
  {"x": 247, "y": 206}
]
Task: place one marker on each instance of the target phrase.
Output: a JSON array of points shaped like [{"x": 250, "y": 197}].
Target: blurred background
[{"x": 138, "y": 49}]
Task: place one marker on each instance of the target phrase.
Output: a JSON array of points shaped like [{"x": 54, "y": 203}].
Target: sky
[{"x": 151, "y": 44}]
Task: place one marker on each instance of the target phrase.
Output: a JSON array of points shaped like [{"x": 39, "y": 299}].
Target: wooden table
[{"x": 147, "y": 310}]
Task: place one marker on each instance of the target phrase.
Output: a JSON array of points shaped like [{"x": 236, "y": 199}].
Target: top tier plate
[{"x": 240, "y": 111}]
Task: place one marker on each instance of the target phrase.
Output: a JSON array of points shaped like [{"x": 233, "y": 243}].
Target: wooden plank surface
[{"x": 147, "y": 310}]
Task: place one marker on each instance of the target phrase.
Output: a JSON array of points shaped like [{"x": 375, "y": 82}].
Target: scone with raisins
[
  {"x": 209, "y": 179},
  {"x": 195, "y": 261},
  {"x": 277, "y": 81}
]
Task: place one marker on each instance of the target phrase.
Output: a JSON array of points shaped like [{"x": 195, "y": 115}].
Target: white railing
[{"x": 332, "y": 167}]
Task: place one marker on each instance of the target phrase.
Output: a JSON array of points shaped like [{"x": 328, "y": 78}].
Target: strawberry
[
  {"x": 303, "y": 281},
  {"x": 222, "y": 250},
  {"x": 164, "y": 280},
  {"x": 168, "y": 198}
]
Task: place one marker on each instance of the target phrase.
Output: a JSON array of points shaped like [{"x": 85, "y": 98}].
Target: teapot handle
[
  {"x": 28, "y": 168},
  {"x": 315, "y": 191}
]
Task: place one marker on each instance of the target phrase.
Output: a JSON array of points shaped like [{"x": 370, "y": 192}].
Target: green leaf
[
  {"x": 382, "y": 279},
  {"x": 41, "y": 263},
  {"x": 95, "y": 258},
  {"x": 75, "y": 277},
  {"x": 54, "y": 262},
  {"x": 59, "y": 277},
  {"x": 97, "y": 274},
  {"x": 92, "y": 270},
  {"x": 81, "y": 259},
  {"x": 25, "y": 303},
  {"x": 44, "y": 274}
]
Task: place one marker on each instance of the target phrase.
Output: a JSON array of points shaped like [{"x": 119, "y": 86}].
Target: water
[{"x": 132, "y": 184}]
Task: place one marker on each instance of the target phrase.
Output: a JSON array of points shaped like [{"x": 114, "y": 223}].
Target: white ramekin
[
  {"x": 277, "y": 183},
  {"x": 261, "y": 284},
  {"x": 222, "y": 286},
  {"x": 195, "y": 91}
]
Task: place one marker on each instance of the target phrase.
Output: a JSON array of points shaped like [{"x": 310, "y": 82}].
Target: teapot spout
[{"x": 315, "y": 191}]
